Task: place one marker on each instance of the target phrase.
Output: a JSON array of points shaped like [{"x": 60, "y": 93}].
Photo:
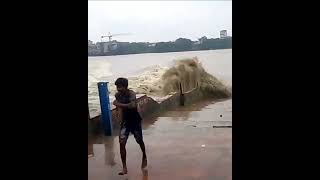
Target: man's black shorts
[{"x": 135, "y": 130}]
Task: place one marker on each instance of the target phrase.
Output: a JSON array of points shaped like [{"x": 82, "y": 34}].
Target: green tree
[
  {"x": 183, "y": 44},
  {"x": 164, "y": 47}
]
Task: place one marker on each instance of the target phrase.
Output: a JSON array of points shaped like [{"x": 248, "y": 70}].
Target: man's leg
[
  {"x": 139, "y": 139},
  {"x": 123, "y": 137}
]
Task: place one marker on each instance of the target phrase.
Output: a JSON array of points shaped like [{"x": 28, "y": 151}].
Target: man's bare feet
[
  {"x": 123, "y": 172},
  {"x": 145, "y": 174},
  {"x": 144, "y": 163}
]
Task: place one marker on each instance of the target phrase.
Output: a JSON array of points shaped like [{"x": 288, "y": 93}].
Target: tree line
[{"x": 181, "y": 44}]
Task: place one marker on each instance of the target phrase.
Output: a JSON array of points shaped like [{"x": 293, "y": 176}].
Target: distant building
[
  {"x": 103, "y": 47},
  {"x": 93, "y": 49},
  {"x": 114, "y": 45},
  {"x": 223, "y": 34},
  {"x": 151, "y": 44},
  {"x": 196, "y": 42},
  {"x": 201, "y": 40},
  {"x": 109, "y": 47}
]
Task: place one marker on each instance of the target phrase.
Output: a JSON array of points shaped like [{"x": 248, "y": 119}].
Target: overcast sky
[{"x": 155, "y": 21}]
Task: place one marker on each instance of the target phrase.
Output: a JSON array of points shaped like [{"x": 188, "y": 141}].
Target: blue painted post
[{"x": 105, "y": 108}]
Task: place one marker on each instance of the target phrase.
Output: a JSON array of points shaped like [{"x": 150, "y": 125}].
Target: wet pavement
[{"x": 181, "y": 144}]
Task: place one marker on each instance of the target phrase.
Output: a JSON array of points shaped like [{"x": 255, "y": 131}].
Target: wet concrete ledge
[{"x": 149, "y": 106}]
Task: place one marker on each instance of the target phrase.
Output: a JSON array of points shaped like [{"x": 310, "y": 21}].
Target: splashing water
[{"x": 161, "y": 81}]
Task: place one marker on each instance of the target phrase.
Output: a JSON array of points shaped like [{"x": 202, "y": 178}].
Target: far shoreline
[{"x": 162, "y": 52}]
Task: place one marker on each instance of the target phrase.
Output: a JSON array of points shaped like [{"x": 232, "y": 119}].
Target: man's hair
[{"x": 123, "y": 82}]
